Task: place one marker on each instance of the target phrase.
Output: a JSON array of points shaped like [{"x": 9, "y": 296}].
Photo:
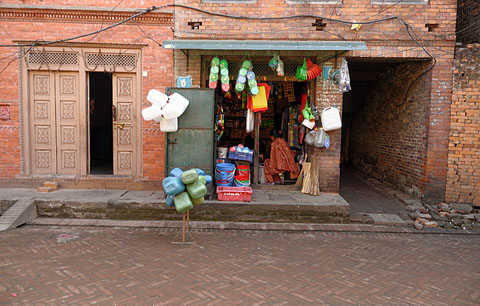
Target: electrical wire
[{"x": 409, "y": 29}]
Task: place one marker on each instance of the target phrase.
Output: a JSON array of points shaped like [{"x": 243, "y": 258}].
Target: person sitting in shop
[
  {"x": 249, "y": 142},
  {"x": 281, "y": 159}
]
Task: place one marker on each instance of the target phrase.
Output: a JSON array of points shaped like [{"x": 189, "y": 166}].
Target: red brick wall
[
  {"x": 468, "y": 27},
  {"x": 156, "y": 61},
  {"x": 387, "y": 135},
  {"x": 442, "y": 12},
  {"x": 387, "y": 39},
  {"x": 463, "y": 185}
]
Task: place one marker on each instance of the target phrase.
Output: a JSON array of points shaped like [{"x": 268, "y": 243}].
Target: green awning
[{"x": 264, "y": 45}]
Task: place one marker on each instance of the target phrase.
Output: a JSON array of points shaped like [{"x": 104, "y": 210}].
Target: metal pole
[
  {"x": 183, "y": 228},
  {"x": 257, "y": 148}
]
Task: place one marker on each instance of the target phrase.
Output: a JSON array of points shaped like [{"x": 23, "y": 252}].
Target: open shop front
[
  {"x": 237, "y": 126},
  {"x": 273, "y": 126}
]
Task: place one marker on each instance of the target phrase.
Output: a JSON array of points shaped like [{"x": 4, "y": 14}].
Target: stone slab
[{"x": 386, "y": 219}]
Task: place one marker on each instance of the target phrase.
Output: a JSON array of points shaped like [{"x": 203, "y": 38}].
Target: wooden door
[
  {"x": 42, "y": 122},
  {"x": 124, "y": 95},
  {"x": 67, "y": 122}
]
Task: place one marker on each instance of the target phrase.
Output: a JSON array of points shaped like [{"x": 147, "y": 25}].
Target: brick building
[
  {"x": 399, "y": 138},
  {"x": 396, "y": 119},
  {"x": 48, "y": 127},
  {"x": 463, "y": 181}
]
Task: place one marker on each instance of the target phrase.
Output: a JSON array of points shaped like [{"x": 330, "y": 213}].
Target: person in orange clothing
[{"x": 281, "y": 159}]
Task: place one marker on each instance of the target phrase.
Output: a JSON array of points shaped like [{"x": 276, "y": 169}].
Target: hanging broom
[
  {"x": 301, "y": 74},
  {"x": 306, "y": 176},
  {"x": 314, "y": 177},
  {"x": 313, "y": 70}
]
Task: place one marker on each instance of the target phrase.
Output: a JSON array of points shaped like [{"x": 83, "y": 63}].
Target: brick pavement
[{"x": 52, "y": 265}]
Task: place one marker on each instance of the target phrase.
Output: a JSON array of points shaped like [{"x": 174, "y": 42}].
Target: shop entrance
[
  {"x": 101, "y": 122},
  {"x": 280, "y": 120},
  {"x": 383, "y": 129}
]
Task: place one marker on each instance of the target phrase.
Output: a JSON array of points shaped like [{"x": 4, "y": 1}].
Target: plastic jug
[
  {"x": 331, "y": 119},
  {"x": 170, "y": 201},
  {"x": 157, "y": 98},
  {"x": 198, "y": 201},
  {"x": 151, "y": 112},
  {"x": 183, "y": 203},
  {"x": 202, "y": 179},
  {"x": 172, "y": 185},
  {"x": 320, "y": 137},
  {"x": 200, "y": 171},
  {"x": 176, "y": 172},
  {"x": 168, "y": 125},
  {"x": 189, "y": 176},
  {"x": 197, "y": 189}
]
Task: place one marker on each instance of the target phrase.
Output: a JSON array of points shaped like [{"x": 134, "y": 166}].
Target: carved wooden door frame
[{"x": 79, "y": 59}]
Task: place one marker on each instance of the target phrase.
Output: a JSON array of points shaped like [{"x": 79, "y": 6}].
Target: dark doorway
[
  {"x": 383, "y": 131},
  {"x": 101, "y": 132}
]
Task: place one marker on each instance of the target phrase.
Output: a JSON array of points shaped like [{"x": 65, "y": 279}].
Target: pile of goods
[{"x": 184, "y": 189}]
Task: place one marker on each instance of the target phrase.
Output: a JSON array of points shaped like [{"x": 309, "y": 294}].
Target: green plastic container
[
  {"x": 247, "y": 64},
  {"x": 224, "y": 71},
  {"x": 225, "y": 79},
  {"x": 243, "y": 72},
  {"x": 189, "y": 176},
  {"x": 213, "y": 77},
  {"x": 198, "y": 201},
  {"x": 239, "y": 87},
  {"x": 214, "y": 69},
  {"x": 215, "y": 61},
  {"x": 252, "y": 83},
  {"x": 223, "y": 64},
  {"x": 202, "y": 179},
  {"x": 197, "y": 189},
  {"x": 183, "y": 203}
]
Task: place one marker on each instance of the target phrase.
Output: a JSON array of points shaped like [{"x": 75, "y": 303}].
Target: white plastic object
[
  {"x": 308, "y": 124},
  {"x": 310, "y": 137},
  {"x": 151, "y": 112},
  {"x": 250, "y": 121},
  {"x": 320, "y": 137},
  {"x": 331, "y": 119},
  {"x": 168, "y": 125},
  {"x": 176, "y": 105},
  {"x": 157, "y": 98}
]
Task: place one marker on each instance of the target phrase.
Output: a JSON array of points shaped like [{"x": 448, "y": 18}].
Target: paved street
[{"x": 47, "y": 265}]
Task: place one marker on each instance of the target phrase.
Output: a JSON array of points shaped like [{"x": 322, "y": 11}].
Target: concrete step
[
  {"x": 327, "y": 209},
  {"x": 23, "y": 211}
]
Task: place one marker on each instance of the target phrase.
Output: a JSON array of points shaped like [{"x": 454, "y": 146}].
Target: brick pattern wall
[
  {"x": 463, "y": 184},
  {"x": 468, "y": 27},
  {"x": 157, "y": 62},
  {"x": 442, "y": 12},
  {"x": 388, "y": 138}
]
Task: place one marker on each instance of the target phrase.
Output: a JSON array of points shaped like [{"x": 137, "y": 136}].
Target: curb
[{"x": 249, "y": 226}]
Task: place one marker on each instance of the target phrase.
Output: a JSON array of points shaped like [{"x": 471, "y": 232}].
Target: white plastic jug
[
  {"x": 151, "y": 112},
  {"x": 168, "y": 125},
  {"x": 331, "y": 119},
  {"x": 179, "y": 99},
  {"x": 175, "y": 106},
  {"x": 157, "y": 98}
]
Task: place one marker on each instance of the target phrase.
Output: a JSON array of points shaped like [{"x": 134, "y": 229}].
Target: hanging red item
[
  {"x": 261, "y": 103},
  {"x": 302, "y": 107}
]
